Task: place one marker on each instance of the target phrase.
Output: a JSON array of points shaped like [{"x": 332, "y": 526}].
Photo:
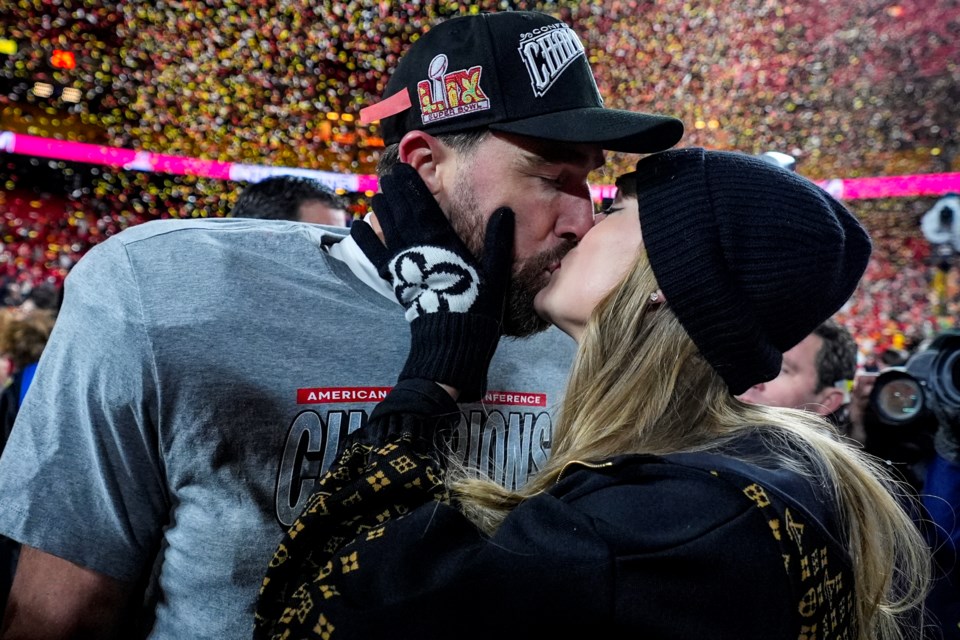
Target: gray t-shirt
[{"x": 199, "y": 379}]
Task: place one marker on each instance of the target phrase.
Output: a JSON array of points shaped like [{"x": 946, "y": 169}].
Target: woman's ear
[
  {"x": 657, "y": 297},
  {"x": 427, "y": 155}
]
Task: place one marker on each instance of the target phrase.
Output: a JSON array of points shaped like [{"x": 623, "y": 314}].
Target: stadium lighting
[
  {"x": 42, "y": 89},
  {"x": 779, "y": 159},
  {"x": 71, "y": 94}
]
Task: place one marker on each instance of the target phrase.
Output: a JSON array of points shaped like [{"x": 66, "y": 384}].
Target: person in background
[
  {"x": 815, "y": 374},
  {"x": 924, "y": 454},
  {"x": 23, "y": 336},
  {"x": 815, "y": 377},
  {"x": 292, "y": 198},
  {"x": 157, "y": 462},
  {"x": 668, "y": 508}
]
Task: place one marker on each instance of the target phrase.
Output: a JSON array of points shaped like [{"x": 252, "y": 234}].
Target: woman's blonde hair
[{"x": 639, "y": 385}]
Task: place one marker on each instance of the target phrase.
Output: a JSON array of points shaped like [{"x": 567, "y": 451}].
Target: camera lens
[
  {"x": 899, "y": 400},
  {"x": 951, "y": 378}
]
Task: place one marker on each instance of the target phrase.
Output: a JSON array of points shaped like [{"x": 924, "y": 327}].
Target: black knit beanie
[{"x": 751, "y": 257}]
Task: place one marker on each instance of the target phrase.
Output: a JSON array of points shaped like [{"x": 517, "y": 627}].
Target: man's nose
[{"x": 576, "y": 218}]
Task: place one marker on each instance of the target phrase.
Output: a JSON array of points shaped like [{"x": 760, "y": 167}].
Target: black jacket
[{"x": 692, "y": 546}]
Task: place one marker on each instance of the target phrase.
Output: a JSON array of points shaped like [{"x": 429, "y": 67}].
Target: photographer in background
[
  {"x": 909, "y": 417},
  {"x": 910, "y": 421}
]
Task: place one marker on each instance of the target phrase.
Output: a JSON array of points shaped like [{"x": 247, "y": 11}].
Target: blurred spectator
[
  {"x": 815, "y": 374},
  {"x": 23, "y": 335},
  {"x": 291, "y": 198},
  {"x": 923, "y": 451}
]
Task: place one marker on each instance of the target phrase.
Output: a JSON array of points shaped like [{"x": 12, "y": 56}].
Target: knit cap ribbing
[{"x": 751, "y": 257}]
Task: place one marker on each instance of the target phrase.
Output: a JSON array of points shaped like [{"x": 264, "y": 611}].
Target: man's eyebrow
[{"x": 562, "y": 154}]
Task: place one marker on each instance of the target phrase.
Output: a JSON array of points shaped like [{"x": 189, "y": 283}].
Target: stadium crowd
[
  {"x": 847, "y": 87},
  {"x": 850, "y": 89},
  {"x": 900, "y": 302}
]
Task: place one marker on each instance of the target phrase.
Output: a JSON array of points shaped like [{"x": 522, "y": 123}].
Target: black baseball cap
[{"x": 519, "y": 72}]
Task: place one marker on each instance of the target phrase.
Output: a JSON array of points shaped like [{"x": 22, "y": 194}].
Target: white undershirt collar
[{"x": 349, "y": 252}]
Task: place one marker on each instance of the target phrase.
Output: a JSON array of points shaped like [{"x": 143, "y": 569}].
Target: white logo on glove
[{"x": 431, "y": 279}]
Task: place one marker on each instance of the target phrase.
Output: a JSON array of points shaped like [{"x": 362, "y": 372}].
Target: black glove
[{"x": 453, "y": 301}]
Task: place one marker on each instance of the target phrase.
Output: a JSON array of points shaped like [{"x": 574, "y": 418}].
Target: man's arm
[
  {"x": 53, "y": 598},
  {"x": 81, "y": 478}
]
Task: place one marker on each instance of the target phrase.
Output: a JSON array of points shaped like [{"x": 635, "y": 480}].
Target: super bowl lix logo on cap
[
  {"x": 547, "y": 52},
  {"x": 447, "y": 95}
]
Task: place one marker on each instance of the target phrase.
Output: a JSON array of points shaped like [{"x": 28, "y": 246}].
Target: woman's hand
[{"x": 453, "y": 300}]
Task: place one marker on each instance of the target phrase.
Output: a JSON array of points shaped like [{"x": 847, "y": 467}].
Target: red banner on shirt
[
  {"x": 328, "y": 395},
  {"x": 325, "y": 395},
  {"x": 516, "y": 398}
]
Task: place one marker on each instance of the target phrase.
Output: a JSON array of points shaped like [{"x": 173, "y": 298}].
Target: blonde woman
[{"x": 667, "y": 509}]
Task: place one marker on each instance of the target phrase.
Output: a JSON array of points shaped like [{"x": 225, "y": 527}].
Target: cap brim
[{"x": 612, "y": 129}]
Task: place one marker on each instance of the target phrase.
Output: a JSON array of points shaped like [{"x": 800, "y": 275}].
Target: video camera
[
  {"x": 909, "y": 403},
  {"x": 924, "y": 390}
]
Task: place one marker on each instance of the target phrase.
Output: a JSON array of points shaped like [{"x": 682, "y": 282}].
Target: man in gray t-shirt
[{"x": 202, "y": 374}]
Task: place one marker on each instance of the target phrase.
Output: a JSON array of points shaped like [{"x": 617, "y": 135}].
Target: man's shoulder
[
  {"x": 221, "y": 229},
  {"x": 212, "y": 248},
  {"x": 169, "y": 266}
]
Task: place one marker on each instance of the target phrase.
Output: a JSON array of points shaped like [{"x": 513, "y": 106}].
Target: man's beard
[{"x": 529, "y": 276}]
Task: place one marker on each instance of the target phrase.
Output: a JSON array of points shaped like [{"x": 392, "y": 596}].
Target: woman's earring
[{"x": 655, "y": 296}]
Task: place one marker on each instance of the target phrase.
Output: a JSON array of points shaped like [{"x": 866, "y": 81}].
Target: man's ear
[
  {"x": 427, "y": 155},
  {"x": 831, "y": 399}
]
